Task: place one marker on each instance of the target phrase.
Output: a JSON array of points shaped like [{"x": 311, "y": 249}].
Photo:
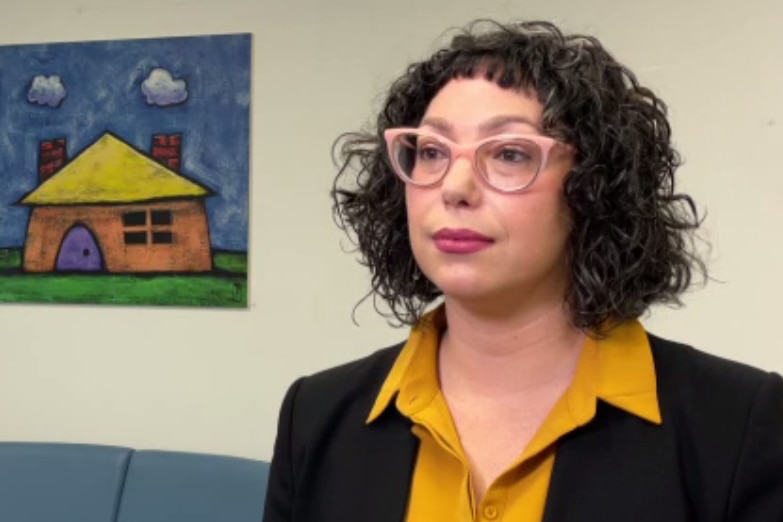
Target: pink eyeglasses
[{"x": 507, "y": 162}]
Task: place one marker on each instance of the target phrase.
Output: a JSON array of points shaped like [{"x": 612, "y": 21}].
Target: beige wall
[{"x": 206, "y": 380}]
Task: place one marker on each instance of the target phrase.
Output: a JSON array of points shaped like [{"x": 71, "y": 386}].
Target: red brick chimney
[
  {"x": 167, "y": 149},
  {"x": 52, "y": 156}
]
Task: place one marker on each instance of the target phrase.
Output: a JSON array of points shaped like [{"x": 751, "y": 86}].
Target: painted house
[{"x": 116, "y": 209}]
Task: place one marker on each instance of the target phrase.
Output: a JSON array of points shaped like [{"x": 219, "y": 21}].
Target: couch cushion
[
  {"x": 167, "y": 486},
  {"x": 60, "y": 482}
]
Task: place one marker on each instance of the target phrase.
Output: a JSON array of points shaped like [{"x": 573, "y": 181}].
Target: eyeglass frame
[{"x": 456, "y": 151}]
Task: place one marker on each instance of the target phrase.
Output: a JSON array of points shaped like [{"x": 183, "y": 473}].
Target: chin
[{"x": 462, "y": 285}]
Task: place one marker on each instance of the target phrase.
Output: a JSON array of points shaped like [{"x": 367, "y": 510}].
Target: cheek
[
  {"x": 413, "y": 210},
  {"x": 416, "y": 205},
  {"x": 419, "y": 205},
  {"x": 543, "y": 220}
]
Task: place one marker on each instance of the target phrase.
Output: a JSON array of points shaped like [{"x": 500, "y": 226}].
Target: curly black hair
[{"x": 632, "y": 238}]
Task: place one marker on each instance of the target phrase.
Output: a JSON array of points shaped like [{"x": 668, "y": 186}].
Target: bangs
[{"x": 498, "y": 69}]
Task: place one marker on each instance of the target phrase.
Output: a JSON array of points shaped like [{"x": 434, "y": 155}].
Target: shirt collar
[
  {"x": 413, "y": 379},
  {"x": 618, "y": 369}
]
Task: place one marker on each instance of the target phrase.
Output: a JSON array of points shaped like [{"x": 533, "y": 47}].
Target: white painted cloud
[
  {"x": 162, "y": 89},
  {"x": 47, "y": 91}
]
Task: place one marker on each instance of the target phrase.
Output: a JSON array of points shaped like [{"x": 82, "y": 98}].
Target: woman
[{"x": 515, "y": 205}]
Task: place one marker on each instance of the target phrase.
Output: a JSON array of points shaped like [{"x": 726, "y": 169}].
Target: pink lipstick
[{"x": 460, "y": 241}]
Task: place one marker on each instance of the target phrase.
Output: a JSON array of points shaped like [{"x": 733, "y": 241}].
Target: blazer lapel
[
  {"x": 616, "y": 468},
  {"x": 369, "y": 478},
  {"x": 388, "y": 469}
]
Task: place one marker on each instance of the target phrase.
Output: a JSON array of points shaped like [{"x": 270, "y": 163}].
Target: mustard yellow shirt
[{"x": 618, "y": 370}]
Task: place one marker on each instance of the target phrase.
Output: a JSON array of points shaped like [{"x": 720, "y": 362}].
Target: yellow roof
[{"x": 111, "y": 171}]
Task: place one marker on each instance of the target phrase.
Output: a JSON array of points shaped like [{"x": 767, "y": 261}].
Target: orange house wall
[{"x": 189, "y": 252}]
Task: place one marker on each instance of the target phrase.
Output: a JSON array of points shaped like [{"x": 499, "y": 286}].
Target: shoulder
[
  {"x": 729, "y": 418},
  {"x": 343, "y": 394},
  {"x": 713, "y": 404},
  {"x": 688, "y": 374},
  {"x": 354, "y": 376}
]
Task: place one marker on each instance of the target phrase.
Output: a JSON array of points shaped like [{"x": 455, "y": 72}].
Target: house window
[
  {"x": 134, "y": 219},
  {"x": 135, "y": 238},
  {"x": 162, "y": 237},
  {"x": 141, "y": 226},
  {"x": 161, "y": 217}
]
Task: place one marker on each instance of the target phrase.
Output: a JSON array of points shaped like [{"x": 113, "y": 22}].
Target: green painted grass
[
  {"x": 230, "y": 261},
  {"x": 226, "y": 287},
  {"x": 10, "y": 258}
]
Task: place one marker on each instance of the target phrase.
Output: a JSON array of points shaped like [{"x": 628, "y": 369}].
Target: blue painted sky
[{"x": 133, "y": 88}]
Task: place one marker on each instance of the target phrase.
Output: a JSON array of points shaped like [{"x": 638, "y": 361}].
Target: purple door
[{"x": 80, "y": 251}]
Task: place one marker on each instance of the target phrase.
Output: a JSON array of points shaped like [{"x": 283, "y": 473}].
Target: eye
[
  {"x": 511, "y": 154},
  {"x": 429, "y": 152}
]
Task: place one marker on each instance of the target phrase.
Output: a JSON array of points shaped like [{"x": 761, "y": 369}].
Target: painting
[{"x": 124, "y": 168}]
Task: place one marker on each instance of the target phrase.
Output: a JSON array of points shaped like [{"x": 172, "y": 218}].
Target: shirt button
[{"x": 490, "y": 512}]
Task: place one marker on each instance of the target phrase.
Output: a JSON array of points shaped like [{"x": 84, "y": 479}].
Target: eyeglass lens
[{"x": 507, "y": 163}]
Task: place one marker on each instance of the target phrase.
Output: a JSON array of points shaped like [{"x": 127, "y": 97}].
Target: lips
[{"x": 461, "y": 241}]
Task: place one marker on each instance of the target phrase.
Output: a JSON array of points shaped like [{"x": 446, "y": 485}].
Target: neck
[{"x": 505, "y": 354}]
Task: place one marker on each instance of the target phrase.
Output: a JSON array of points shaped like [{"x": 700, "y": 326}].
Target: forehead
[{"x": 466, "y": 103}]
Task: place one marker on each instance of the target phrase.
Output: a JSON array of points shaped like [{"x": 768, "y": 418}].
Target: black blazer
[{"x": 717, "y": 456}]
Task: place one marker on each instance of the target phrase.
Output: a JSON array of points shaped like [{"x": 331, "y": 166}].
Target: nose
[{"x": 460, "y": 185}]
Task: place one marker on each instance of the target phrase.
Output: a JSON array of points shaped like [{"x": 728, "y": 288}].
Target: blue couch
[{"x": 44, "y": 482}]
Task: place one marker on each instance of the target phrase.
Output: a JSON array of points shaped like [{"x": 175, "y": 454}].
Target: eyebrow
[{"x": 492, "y": 124}]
